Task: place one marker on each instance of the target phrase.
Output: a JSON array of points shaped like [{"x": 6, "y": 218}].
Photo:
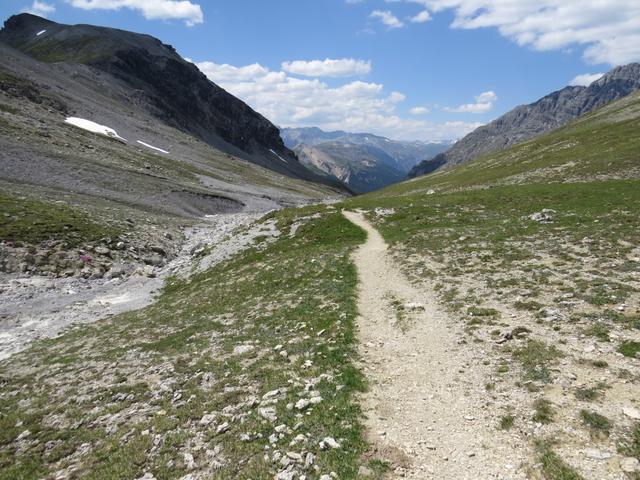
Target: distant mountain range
[
  {"x": 363, "y": 161},
  {"x": 528, "y": 121}
]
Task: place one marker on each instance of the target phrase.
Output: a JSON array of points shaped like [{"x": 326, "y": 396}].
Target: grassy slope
[
  {"x": 32, "y": 221},
  {"x": 154, "y": 373},
  {"x": 473, "y": 240},
  {"x": 602, "y": 144},
  {"x": 82, "y": 147}
]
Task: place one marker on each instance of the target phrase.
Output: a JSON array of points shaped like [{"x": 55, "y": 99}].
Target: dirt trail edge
[{"x": 425, "y": 407}]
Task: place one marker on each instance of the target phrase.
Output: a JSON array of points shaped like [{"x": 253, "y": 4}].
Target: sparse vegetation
[
  {"x": 506, "y": 422},
  {"x": 629, "y": 349},
  {"x": 535, "y": 358},
  {"x": 598, "y": 424},
  {"x": 630, "y": 443},
  {"x": 208, "y": 346},
  {"x": 32, "y": 221},
  {"x": 589, "y": 394},
  {"x": 600, "y": 363},
  {"x": 552, "y": 466},
  {"x": 598, "y": 330},
  {"x": 544, "y": 411},
  {"x": 482, "y": 312}
]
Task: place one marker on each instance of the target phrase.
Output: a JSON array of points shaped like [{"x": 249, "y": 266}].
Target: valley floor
[{"x": 316, "y": 344}]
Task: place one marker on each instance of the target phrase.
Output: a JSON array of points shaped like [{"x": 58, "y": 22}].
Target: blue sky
[{"x": 408, "y": 69}]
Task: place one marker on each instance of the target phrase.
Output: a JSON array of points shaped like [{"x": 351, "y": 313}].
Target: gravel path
[
  {"x": 425, "y": 405},
  {"x": 33, "y": 307}
]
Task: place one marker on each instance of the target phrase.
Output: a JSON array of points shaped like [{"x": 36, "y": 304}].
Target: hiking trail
[{"x": 426, "y": 409}]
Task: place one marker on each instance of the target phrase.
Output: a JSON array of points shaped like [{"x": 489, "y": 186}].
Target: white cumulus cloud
[
  {"x": 359, "y": 106},
  {"x": 484, "y": 103},
  {"x": 487, "y": 97},
  {"x": 191, "y": 13},
  {"x": 585, "y": 79},
  {"x": 387, "y": 18},
  {"x": 41, "y": 9},
  {"x": 224, "y": 73},
  {"x": 419, "y": 111},
  {"x": 344, "y": 67},
  {"x": 607, "y": 30},
  {"x": 421, "y": 17}
]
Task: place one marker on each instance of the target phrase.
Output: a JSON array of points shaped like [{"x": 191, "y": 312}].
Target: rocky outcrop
[
  {"x": 108, "y": 257},
  {"x": 528, "y": 121}
]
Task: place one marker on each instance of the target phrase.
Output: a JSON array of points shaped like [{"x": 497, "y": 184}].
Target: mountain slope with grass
[
  {"x": 97, "y": 142},
  {"x": 534, "y": 251},
  {"x": 251, "y": 367},
  {"x": 243, "y": 371},
  {"x": 527, "y": 121},
  {"x": 600, "y": 145}
]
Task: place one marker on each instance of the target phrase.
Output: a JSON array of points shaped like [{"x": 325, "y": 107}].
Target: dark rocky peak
[
  {"x": 164, "y": 84},
  {"x": 75, "y": 43}
]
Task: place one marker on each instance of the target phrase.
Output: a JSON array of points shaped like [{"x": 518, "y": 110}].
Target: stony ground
[
  {"x": 540, "y": 286},
  {"x": 35, "y": 306},
  {"x": 244, "y": 369}
]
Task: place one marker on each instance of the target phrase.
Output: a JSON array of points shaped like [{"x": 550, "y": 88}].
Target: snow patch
[
  {"x": 40, "y": 33},
  {"x": 152, "y": 147},
  {"x": 278, "y": 156},
  {"x": 93, "y": 127}
]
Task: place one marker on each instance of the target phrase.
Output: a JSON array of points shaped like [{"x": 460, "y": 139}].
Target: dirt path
[{"x": 426, "y": 407}]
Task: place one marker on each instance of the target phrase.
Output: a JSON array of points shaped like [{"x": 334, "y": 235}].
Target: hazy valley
[{"x": 364, "y": 162}]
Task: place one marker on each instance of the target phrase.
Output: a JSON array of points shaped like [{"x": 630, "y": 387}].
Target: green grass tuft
[
  {"x": 544, "y": 411},
  {"x": 536, "y": 357},
  {"x": 629, "y": 349},
  {"x": 596, "y": 422},
  {"x": 506, "y": 422},
  {"x": 552, "y": 466}
]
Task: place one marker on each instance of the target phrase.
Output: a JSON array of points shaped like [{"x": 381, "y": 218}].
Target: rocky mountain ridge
[
  {"x": 164, "y": 84},
  {"x": 528, "y": 121}
]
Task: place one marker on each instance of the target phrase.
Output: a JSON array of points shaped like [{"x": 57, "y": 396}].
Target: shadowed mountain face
[
  {"x": 358, "y": 166},
  {"x": 528, "y": 121},
  {"x": 163, "y": 84},
  {"x": 363, "y": 161},
  {"x": 108, "y": 135}
]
